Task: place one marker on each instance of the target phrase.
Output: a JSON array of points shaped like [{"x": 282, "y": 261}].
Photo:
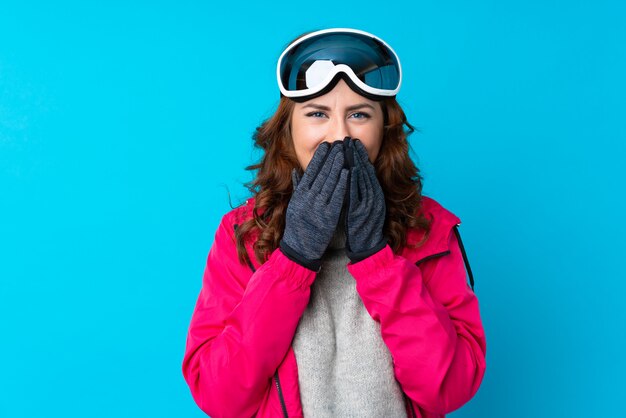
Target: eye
[{"x": 364, "y": 115}]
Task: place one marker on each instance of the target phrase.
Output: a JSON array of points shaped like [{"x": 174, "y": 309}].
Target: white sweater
[{"x": 344, "y": 367}]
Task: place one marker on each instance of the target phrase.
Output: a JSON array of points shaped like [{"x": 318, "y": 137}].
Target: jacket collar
[{"x": 437, "y": 243}]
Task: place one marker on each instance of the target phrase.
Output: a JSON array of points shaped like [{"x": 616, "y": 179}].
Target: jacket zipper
[
  {"x": 465, "y": 259},
  {"x": 428, "y": 257},
  {"x": 469, "y": 270},
  {"x": 406, "y": 398},
  {"x": 280, "y": 395}
]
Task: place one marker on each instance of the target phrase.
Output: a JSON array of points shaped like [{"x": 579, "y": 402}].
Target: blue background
[{"x": 124, "y": 126}]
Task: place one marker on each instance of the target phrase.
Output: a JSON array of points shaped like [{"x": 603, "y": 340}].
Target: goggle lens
[{"x": 309, "y": 63}]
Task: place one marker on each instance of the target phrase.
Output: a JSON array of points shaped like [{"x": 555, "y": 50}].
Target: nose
[{"x": 337, "y": 130}]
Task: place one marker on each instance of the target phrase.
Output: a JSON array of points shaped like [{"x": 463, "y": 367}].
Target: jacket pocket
[{"x": 455, "y": 229}]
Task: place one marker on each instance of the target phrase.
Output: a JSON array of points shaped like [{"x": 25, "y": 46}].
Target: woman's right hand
[{"x": 315, "y": 205}]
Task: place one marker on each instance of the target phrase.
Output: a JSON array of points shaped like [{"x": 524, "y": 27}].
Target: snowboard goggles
[{"x": 312, "y": 65}]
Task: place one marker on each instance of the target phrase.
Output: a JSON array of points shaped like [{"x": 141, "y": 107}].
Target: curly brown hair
[{"x": 399, "y": 178}]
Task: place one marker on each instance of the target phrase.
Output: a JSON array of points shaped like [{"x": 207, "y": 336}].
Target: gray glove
[
  {"x": 315, "y": 205},
  {"x": 366, "y": 206}
]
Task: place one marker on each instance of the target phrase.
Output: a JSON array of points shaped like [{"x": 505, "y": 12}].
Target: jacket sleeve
[
  {"x": 430, "y": 321},
  {"x": 241, "y": 329}
]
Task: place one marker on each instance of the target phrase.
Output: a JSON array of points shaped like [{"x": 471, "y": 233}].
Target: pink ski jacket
[{"x": 239, "y": 361}]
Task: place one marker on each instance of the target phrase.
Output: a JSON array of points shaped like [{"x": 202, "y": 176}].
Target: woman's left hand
[{"x": 366, "y": 206}]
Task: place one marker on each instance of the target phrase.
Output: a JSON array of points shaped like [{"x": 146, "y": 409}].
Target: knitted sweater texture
[{"x": 344, "y": 367}]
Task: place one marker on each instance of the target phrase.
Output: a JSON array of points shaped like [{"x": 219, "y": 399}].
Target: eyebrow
[{"x": 326, "y": 108}]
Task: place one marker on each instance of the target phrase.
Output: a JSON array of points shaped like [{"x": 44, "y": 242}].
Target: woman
[{"x": 337, "y": 289}]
